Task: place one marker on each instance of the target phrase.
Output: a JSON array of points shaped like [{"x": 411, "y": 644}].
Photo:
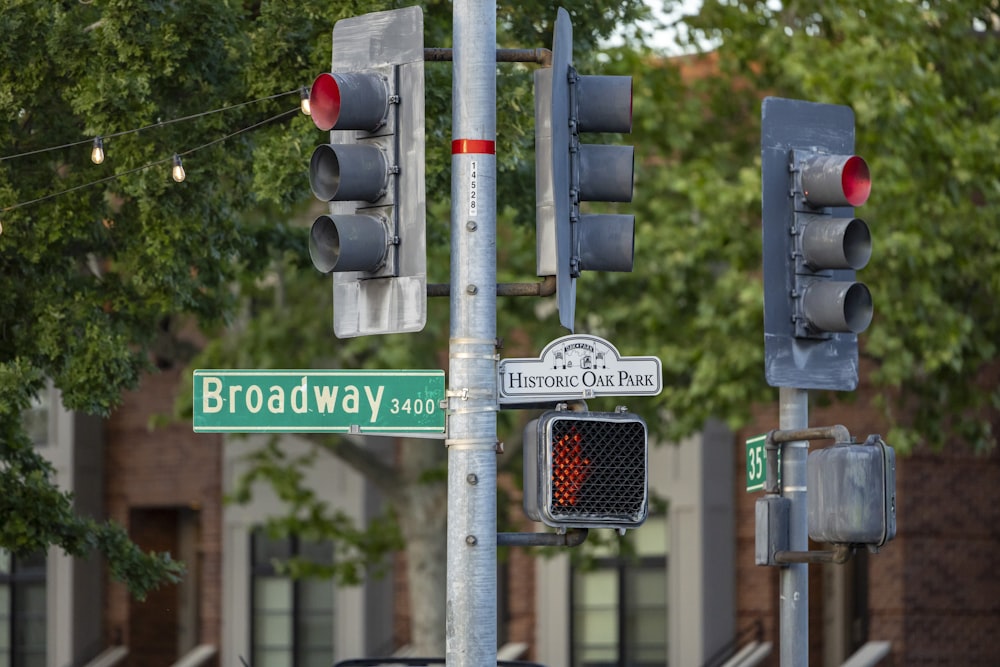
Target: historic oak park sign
[{"x": 578, "y": 366}]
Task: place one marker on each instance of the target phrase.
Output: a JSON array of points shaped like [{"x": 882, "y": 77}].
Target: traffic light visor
[
  {"x": 842, "y": 306},
  {"x": 835, "y": 243},
  {"x": 348, "y": 243},
  {"x": 351, "y": 172},
  {"x": 349, "y": 101},
  {"x": 835, "y": 180},
  {"x": 604, "y": 103}
]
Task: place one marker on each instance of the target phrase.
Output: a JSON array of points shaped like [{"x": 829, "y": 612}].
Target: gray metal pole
[
  {"x": 471, "y": 613},
  {"x": 794, "y": 611}
]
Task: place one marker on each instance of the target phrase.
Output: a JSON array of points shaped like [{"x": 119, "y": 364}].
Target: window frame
[
  {"x": 22, "y": 572},
  {"x": 259, "y": 569},
  {"x": 624, "y": 566}
]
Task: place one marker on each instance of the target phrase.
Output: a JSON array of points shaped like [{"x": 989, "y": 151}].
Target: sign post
[{"x": 471, "y": 595}]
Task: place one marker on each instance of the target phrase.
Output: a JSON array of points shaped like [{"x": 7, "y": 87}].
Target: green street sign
[
  {"x": 757, "y": 463},
  {"x": 373, "y": 402}
]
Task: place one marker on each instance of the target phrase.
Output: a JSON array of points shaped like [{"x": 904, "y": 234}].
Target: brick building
[
  {"x": 690, "y": 596},
  {"x": 165, "y": 486},
  {"x": 933, "y": 592}
]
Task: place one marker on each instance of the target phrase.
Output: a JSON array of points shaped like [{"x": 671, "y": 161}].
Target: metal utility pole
[
  {"x": 470, "y": 632},
  {"x": 794, "y": 608}
]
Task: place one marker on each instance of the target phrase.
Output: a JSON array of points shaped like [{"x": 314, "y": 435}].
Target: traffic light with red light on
[
  {"x": 568, "y": 172},
  {"x": 814, "y": 308},
  {"x": 373, "y": 240},
  {"x": 586, "y": 469},
  {"x": 828, "y": 242}
]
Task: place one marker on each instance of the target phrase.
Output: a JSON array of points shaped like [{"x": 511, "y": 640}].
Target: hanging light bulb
[
  {"x": 97, "y": 152},
  {"x": 304, "y": 102},
  {"x": 177, "y": 172}
]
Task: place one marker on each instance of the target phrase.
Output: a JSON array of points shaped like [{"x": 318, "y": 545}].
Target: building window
[
  {"x": 36, "y": 419},
  {"x": 619, "y": 603},
  {"x": 22, "y": 610},
  {"x": 291, "y": 619}
]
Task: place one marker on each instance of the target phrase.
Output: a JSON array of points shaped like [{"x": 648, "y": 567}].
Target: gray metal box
[
  {"x": 771, "y": 528},
  {"x": 852, "y": 493}
]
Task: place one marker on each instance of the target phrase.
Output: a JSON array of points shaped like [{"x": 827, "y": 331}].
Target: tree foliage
[
  {"x": 921, "y": 79},
  {"x": 97, "y": 258},
  {"x": 106, "y": 252}
]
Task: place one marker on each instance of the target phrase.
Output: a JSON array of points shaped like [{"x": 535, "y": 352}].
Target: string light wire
[
  {"x": 162, "y": 123},
  {"x": 168, "y": 160}
]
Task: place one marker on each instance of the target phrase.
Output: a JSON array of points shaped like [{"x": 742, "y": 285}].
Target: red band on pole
[{"x": 481, "y": 146}]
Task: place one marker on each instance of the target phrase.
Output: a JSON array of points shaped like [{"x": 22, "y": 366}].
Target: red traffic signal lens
[
  {"x": 324, "y": 101},
  {"x": 856, "y": 181}
]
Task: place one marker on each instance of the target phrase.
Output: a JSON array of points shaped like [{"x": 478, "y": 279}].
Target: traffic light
[
  {"x": 852, "y": 493},
  {"x": 812, "y": 245},
  {"x": 568, "y": 172},
  {"x": 372, "y": 172},
  {"x": 586, "y": 469}
]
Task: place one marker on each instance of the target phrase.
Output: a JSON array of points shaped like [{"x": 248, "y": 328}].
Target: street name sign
[
  {"x": 574, "y": 367},
  {"x": 757, "y": 463},
  {"x": 373, "y": 402}
]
